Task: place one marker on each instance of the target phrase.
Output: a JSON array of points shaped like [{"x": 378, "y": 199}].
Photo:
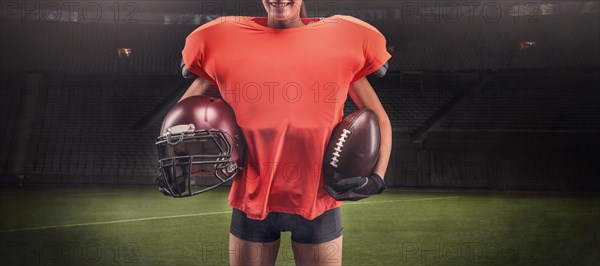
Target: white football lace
[{"x": 338, "y": 147}]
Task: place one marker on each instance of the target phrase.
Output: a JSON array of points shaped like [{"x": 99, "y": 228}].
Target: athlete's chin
[{"x": 284, "y": 17}]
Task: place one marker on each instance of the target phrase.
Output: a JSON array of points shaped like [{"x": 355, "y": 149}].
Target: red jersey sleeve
[
  {"x": 374, "y": 50},
  {"x": 193, "y": 51}
]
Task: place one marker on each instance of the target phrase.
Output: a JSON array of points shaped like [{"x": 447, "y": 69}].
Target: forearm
[
  {"x": 385, "y": 147},
  {"x": 200, "y": 86},
  {"x": 364, "y": 96}
]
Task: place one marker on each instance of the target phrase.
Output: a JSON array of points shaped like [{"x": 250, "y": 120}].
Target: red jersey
[{"x": 287, "y": 88}]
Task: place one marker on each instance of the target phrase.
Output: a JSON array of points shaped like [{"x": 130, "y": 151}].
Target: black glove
[{"x": 356, "y": 188}]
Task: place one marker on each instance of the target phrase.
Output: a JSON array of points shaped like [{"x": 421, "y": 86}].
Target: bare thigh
[
  {"x": 242, "y": 252},
  {"x": 328, "y": 253}
]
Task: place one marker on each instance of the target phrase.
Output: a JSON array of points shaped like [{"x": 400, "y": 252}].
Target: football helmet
[{"x": 199, "y": 138}]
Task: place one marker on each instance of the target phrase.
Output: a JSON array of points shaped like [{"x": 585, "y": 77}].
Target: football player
[{"x": 286, "y": 77}]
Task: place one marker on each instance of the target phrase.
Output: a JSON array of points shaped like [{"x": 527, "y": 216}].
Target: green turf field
[{"x": 139, "y": 226}]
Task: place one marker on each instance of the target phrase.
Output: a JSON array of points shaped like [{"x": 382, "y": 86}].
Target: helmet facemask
[{"x": 186, "y": 154}]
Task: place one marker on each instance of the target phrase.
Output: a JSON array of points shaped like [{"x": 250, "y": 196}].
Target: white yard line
[
  {"x": 404, "y": 200},
  {"x": 191, "y": 215},
  {"x": 112, "y": 222}
]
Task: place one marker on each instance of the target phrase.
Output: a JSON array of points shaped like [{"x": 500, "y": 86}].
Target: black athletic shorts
[{"x": 326, "y": 227}]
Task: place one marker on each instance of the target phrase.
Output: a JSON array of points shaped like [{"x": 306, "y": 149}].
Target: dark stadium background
[
  {"x": 482, "y": 95},
  {"x": 468, "y": 108}
]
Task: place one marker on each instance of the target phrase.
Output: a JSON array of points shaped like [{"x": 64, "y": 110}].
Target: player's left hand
[{"x": 357, "y": 188}]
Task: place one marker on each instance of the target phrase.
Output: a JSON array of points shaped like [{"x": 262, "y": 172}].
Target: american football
[{"x": 353, "y": 147}]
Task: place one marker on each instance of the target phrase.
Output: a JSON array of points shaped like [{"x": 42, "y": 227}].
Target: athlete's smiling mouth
[{"x": 280, "y": 4}]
